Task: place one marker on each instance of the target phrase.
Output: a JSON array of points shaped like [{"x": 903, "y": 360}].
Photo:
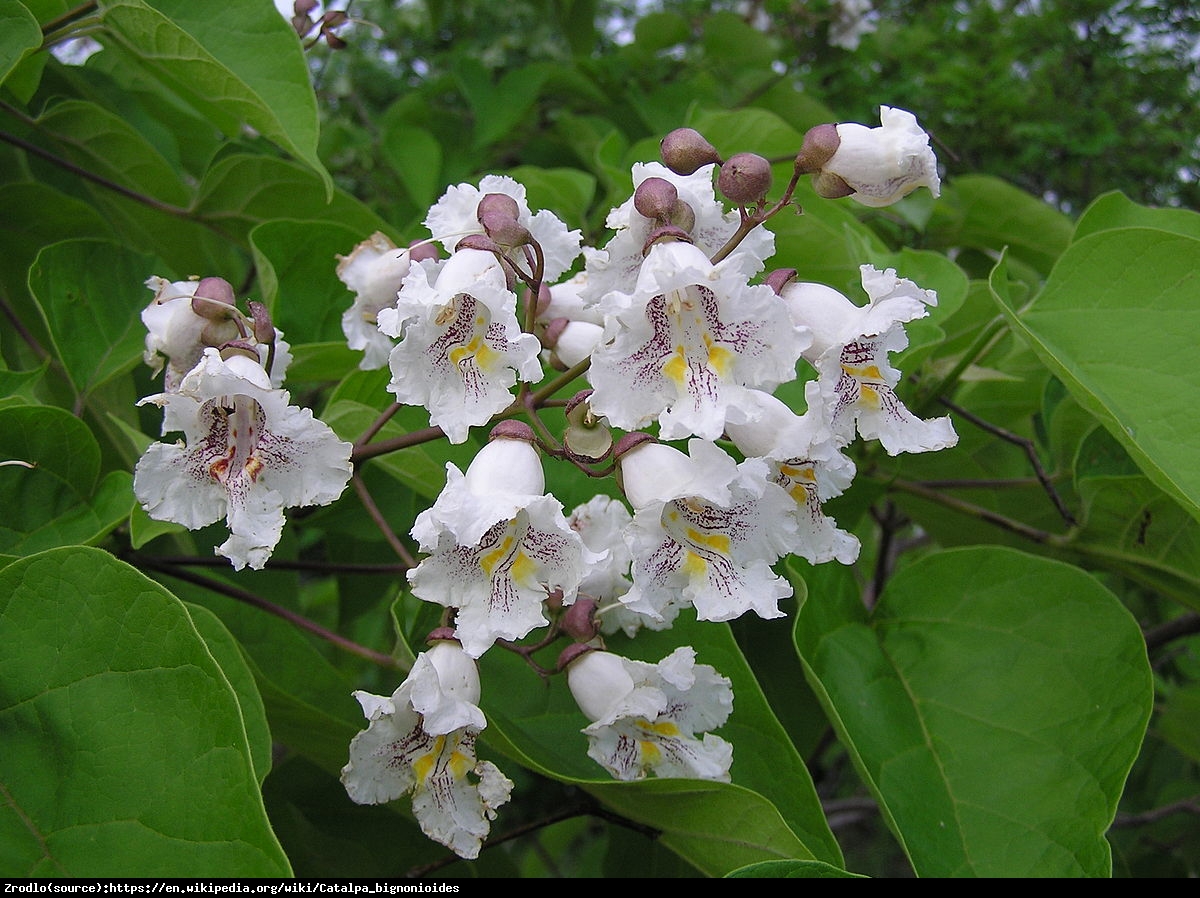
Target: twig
[
  {"x": 288, "y": 615},
  {"x": 298, "y": 564},
  {"x": 376, "y": 515},
  {"x": 1026, "y": 446},
  {"x": 1185, "y": 625},
  {"x": 1183, "y": 806}
]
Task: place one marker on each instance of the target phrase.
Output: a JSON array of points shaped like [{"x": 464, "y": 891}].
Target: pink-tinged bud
[
  {"x": 421, "y": 250},
  {"x": 549, "y": 336},
  {"x": 745, "y": 179},
  {"x": 213, "y": 299},
  {"x": 478, "y": 241},
  {"x": 685, "y": 150},
  {"x": 334, "y": 42},
  {"x": 831, "y": 186},
  {"x": 505, "y": 229},
  {"x": 544, "y": 298},
  {"x": 509, "y": 429},
  {"x": 335, "y": 18},
  {"x": 579, "y": 621},
  {"x": 665, "y": 234},
  {"x": 264, "y": 330},
  {"x": 497, "y": 204},
  {"x": 780, "y": 278},
  {"x": 655, "y": 198},
  {"x": 820, "y": 143},
  {"x": 304, "y": 7}
]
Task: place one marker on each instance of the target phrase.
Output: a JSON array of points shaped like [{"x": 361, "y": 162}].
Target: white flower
[
  {"x": 454, "y": 216},
  {"x": 805, "y": 460},
  {"x": 850, "y": 351},
  {"x": 645, "y": 717},
  {"x": 248, "y": 456},
  {"x": 616, "y": 266},
  {"x": 705, "y": 532},
  {"x": 882, "y": 165},
  {"x": 498, "y": 547},
  {"x": 688, "y": 342},
  {"x": 602, "y": 522},
  {"x": 462, "y": 349},
  {"x": 177, "y": 337},
  {"x": 373, "y": 271},
  {"x": 422, "y": 740}
]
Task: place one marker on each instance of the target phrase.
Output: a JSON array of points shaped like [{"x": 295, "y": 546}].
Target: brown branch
[
  {"x": 1185, "y": 625},
  {"x": 1183, "y": 806},
  {"x": 376, "y": 515}
]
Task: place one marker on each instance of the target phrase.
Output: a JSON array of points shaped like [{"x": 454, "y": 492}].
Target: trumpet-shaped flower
[
  {"x": 462, "y": 349},
  {"x": 421, "y": 740},
  {"x": 705, "y": 532},
  {"x": 882, "y": 165},
  {"x": 176, "y": 336},
  {"x": 616, "y": 266},
  {"x": 248, "y": 456},
  {"x": 688, "y": 344},
  {"x": 455, "y": 215},
  {"x": 498, "y": 547},
  {"x": 645, "y": 717},
  {"x": 850, "y": 350},
  {"x": 805, "y": 460},
  {"x": 373, "y": 271}
]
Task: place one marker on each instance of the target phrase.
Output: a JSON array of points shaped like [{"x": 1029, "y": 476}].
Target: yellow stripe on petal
[
  {"x": 675, "y": 368},
  {"x": 489, "y": 561},
  {"x": 716, "y": 541},
  {"x": 720, "y": 359},
  {"x": 423, "y": 766}
]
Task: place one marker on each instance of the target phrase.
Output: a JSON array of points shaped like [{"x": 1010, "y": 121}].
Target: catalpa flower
[
  {"x": 882, "y": 165},
  {"x": 421, "y": 740},
  {"x": 705, "y": 532},
  {"x": 176, "y": 335},
  {"x": 374, "y": 271},
  {"x": 455, "y": 215},
  {"x": 805, "y": 460},
  {"x": 462, "y": 350},
  {"x": 498, "y": 547},
  {"x": 248, "y": 455},
  {"x": 645, "y": 717},
  {"x": 688, "y": 344},
  {"x": 850, "y": 350},
  {"x": 616, "y": 266}
]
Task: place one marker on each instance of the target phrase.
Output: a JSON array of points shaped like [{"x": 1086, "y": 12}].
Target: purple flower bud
[
  {"x": 685, "y": 150},
  {"x": 655, "y": 198},
  {"x": 745, "y": 178},
  {"x": 579, "y": 621},
  {"x": 497, "y": 204},
  {"x": 420, "y": 250},
  {"x": 213, "y": 299},
  {"x": 264, "y": 330},
  {"x": 820, "y": 143}
]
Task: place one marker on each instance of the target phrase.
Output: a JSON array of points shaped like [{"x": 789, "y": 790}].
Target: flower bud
[
  {"x": 598, "y": 680},
  {"x": 505, "y": 229},
  {"x": 745, "y": 179},
  {"x": 685, "y": 150},
  {"x": 820, "y": 143},
  {"x": 881, "y": 165},
  {"x": 683, "y": 216},
  {"x": 650, "y": 471},
  {"x": 579, "y": 621},
  {"x": 509, "y": 463},
  {"x": 780, "y": 278},
  {"x": 497, "y": 204},
  {"x": 213, "y": 299},
  {"x": 655, "y": 198},
  {"x": 264, "y": 331},
  {"x": 421, "y": 250}
]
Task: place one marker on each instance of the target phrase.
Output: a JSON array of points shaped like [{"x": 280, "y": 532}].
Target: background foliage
[{"x": 1004, "y": 684}]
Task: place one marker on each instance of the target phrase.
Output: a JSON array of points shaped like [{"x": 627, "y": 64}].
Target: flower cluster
[{"x": 684, "y": 338}]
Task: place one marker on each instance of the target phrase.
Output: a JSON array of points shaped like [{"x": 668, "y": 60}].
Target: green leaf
[
  {"x": 92, "y": 294},
  {"x": 994, "y": 704},
  {"x": 412, "y": 466},
  {"x": 986, "y": 213},
  {"x": 1115, "y": 210},
  {"x": 297, "y": 268},
  {"x": 124, "y": 747},
  {"x": 415, "y": 156},
  {"x": 792, "y": 870},
  {"x": 243, "y": 67},
  {"x": 19, "y": 35},
  {"x": 58, "y": 502},
  {"x": 499, "y": 107},
  {"x": 1116, "y": 323}
]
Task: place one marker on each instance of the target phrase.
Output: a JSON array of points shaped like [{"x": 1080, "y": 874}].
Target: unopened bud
[
  {"x": 549, "y": 336},
  {"x": 497, "y": 204},
  {"x": 683, "y": 216},
  {"x": 335, "y": 18},
  {"x": 213, "y": 299},
  {"x": 685, "y": 150},
  {"x": 505, "y": 229},
  {"x": 421, "y": 250},
  {"x": 544, "y": 298},
  {"x": 334, "y": 42},
  {"x": 579, "y": 621},
  {"x": 655, "y": 198},
  {"x": 745, "y": 178},
  {"x": 820, "y": 143},
  {"x": 572, "y": 653},
  {"x": 304, "y": 7}
]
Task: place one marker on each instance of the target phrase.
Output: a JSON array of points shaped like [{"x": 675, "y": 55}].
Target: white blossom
[
  {"x": 645, "y": 717},
  {"x": 882, "y": 165},
  {"x": 248, "y": 455},
  {"x": 421, "y": 740}
]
